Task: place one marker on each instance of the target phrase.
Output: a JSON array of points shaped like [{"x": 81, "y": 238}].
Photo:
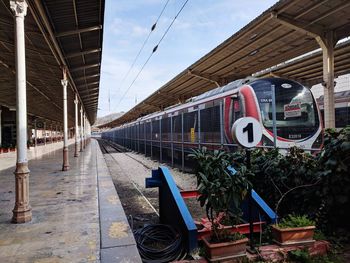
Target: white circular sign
[{"x": 247, "y": 132}]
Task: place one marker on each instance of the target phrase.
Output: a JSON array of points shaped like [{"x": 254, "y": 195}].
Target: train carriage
[{"x": 207, "y": 120}]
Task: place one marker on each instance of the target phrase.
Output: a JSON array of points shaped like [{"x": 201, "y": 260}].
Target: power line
[
  {"x": 153, "y": 51},
  {"x": 144, "y": 43}
]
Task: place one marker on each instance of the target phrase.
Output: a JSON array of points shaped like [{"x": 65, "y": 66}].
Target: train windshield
[{"x": 296, "y": 112}]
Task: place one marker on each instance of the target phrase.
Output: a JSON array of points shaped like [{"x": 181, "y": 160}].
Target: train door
[{"x": 232, "y": 112}]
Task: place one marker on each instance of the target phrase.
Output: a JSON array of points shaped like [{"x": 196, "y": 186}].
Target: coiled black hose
[{"x": 158, "y": 243}]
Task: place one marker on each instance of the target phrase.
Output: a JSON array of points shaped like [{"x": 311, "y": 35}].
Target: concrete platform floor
[{"x": 65, "y": 207}]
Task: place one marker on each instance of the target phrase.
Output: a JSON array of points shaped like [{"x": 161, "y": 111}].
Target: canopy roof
[
  {"x": 283, "y": 32},
  {"x": 60, "y": 34}
]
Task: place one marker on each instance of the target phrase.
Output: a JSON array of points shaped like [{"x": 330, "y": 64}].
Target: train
[{"x": 207, "y": 120}]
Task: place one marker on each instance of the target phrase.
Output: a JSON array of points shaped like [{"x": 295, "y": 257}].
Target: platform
[
  {"x": 77, "y": 215},
  {"x": 8, "y": 159}
]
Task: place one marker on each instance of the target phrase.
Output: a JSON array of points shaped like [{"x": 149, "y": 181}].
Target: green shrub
[
  {"x": 334, "y": 171},
  {"x": 219, "y": 189},
  {"x": 295, "y": 221}
]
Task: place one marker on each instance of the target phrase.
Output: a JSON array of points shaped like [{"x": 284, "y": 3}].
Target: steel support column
[
  {"x": 182, "y": 144},
  {"x": 56, "y": 131},
  {"x": 327, "y": 44},
  {"x": 81, "y": 128},
  {"x": 151, "y": 140},
  {"x": 327, "y": 40},
  {"x": 84, "y": 131},
  {"x": 22, "y": 211},
  {"x": 64, "y": 83},
  {"x": 160, "y": 142},
  {"x": 44, "y": 132},
  {"x": 76, "y": 127},
  {"x": 199, "y": 128},
  {"x": 35, "y": 134},
  {"x": 0, "y": 126},
  {"x": 172, "y": 140},
  {"x": 51, "y": 132},
  {"x": 221, "y": 124}
]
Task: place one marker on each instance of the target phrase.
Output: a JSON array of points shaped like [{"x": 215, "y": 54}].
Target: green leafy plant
[
  {"x": 334, "y": 171},
  {"x": 292, "y": 221},
  {"x": 300, "y": 255},
  {"x": 220, "y": 190}
]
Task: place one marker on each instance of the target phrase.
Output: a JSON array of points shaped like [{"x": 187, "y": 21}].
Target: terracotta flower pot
[
  {"x": 225, "y": 250},
  {"x": 291, "y": 236}
]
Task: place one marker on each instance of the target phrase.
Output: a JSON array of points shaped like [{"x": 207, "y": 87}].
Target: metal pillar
[
  {"x": 327, "y": 44},
  {"x": 221, "y": 125},
  {"x": 172, "y": 140},
  {"x": 144, "y": 137},
  {"x": 138, "y": 137},
  {"x": 182, "y": 144},
  {"x": 160, "y": 142},
  {"x": 35, "y": 134},
  {"x": 274, "y": 126},
  {"x": 44, "y": 132},
  {"x": 151, "y": 140},
  {"x": 327, "y": 40},
  {"x": 199, "y": 128},
  {"x": 64, "y": 83},
  {"x": 84, "y": 135},
  {"x": 76, "y": 127},
  {"x": 0, "y": 126},
  {"x": 22, "y": 211},
  {"x": 81, "y": 128}
]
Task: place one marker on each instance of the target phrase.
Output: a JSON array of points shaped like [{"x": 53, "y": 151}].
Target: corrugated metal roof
[
  {"x": 76, "y": 27},
  {"x": 261, "y": 44}
]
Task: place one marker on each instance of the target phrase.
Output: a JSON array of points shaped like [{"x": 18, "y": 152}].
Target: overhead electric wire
[
  {"x": 144, "y": 43},
  {"x": 146, "y": 40},
  {"x": 153, "y": 51}
]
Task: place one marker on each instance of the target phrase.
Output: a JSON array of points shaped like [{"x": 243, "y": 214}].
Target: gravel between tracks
[{"x": 130, "y": 169}]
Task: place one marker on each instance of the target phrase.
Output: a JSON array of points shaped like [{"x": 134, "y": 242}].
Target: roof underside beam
[
  {"x": 87, "y": 77},
  {"x": 78, "y": 31},
  {"x": 85, "y": 67},
  {"x": 83, "y": 52},
  {"x": 211, "y": 78}
]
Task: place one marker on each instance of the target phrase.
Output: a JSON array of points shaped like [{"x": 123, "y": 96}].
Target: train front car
[{"x": 298, "y": 119}]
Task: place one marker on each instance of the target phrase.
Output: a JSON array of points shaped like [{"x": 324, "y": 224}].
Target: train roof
[{"x": 230, "y": 86}]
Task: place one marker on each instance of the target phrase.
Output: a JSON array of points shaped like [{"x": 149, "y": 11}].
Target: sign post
[{"x": 247, "y": 133}]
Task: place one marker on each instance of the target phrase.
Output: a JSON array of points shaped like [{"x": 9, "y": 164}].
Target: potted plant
[
  {"x": 4, "y": 148},
  {"x": 220, "y": 192},
  {"x": 12, "y": 148},
  {"x": 294, "y": 229},
  {"x": 282, "y": 176}
]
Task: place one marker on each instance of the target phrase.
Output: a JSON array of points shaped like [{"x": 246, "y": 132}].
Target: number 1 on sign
[
  {"x": 247, "y": 132},
  {"x": 249, "y": 129}
]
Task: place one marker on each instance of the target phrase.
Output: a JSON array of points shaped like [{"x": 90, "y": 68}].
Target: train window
[
  {"x": 190, "y": 124},
  {"x": 155, "y": 130},
  {"x": 166, "y": 129},
  {"x": 236, "y": 109},
  {"x": 177, "y": 129},
  {"x": 294, "y": 106},
  {"x": 210, "y": 123},
  {"x": 148, "y": 130},
  {"x": 342, "y": 117}
]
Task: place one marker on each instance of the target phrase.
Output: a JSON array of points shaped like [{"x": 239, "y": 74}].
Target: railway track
[{"x": 140, "y": 204}]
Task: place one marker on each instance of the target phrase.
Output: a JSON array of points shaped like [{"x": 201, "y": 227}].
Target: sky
[{"x": 200, "y": 27}]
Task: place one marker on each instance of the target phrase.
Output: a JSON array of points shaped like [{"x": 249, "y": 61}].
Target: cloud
[
  {"x": 126, "y": 28},
  {"x": 200, "y": 27}
]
